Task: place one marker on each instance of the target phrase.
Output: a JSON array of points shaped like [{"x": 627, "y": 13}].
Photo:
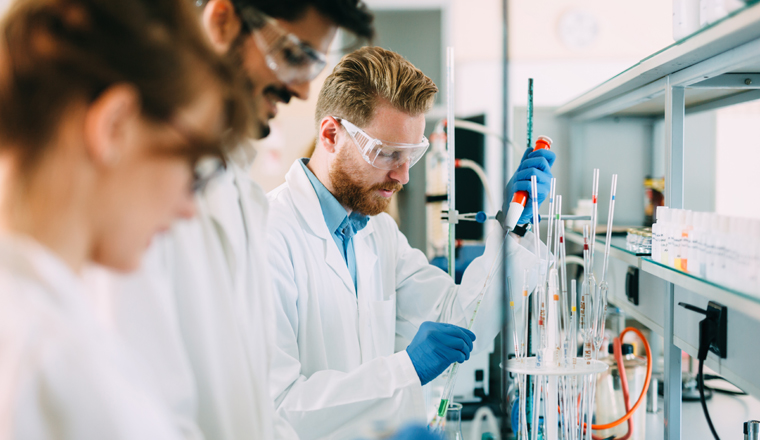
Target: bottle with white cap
[
  {"x": 667, "y": 237},
  {"x": 724, "y": 228},
  {"x": 685, "y": 225},
  {"x": 657, "y": 232},
  {"x": 694, "y": 236},
  {"x": 711, "y": 247}
]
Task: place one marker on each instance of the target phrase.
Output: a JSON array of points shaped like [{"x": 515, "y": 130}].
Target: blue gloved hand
[
  {"x": 534, "y": 163},
  {"x": 438, "y": 345},
  {"x": 416, "y": 432}
]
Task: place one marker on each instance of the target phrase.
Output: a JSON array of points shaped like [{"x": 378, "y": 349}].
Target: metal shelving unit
[{"x": 716, "y": 67}]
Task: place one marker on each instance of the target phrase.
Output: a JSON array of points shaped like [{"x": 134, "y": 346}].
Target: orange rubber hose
[{"x": 646, "y": 382}]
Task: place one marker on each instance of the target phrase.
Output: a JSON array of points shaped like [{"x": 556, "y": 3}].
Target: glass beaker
[{"x": 453, "y": 429}]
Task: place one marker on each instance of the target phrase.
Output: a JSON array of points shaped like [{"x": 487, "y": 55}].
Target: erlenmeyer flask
[{"x": 453, "y": 430}]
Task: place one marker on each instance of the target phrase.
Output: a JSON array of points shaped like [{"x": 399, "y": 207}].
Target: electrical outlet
[
  {"x": 712, "y": 330},
  {"x": 632, "y": 285},
  {"x": 719, "y": 315}
]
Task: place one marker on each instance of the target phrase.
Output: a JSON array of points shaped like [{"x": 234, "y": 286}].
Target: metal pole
[
  {"x": 453, "y": 214},
  {"x": 506, "y": 169},
  {"x": 675, "y": 105}
]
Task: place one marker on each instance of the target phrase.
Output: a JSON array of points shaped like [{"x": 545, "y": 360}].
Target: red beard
[{"x": 353, "y": 193}]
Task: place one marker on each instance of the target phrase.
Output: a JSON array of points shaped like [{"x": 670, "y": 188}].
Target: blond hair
[{"x": 365, "y": 77}]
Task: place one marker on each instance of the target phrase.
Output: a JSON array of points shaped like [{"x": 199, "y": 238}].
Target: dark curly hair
[{"x": 351, "y": 15}]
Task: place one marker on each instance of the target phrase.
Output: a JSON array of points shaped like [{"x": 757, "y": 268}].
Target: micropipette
[{"x": 520, "y": 198}]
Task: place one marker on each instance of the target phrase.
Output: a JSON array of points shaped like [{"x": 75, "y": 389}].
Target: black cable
[
  {"x": 701, "y": 383},
  {"x": 721, "y": 390}
]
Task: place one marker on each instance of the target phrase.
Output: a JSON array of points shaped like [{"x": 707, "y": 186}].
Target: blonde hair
[{"x": 365, "y": 77}]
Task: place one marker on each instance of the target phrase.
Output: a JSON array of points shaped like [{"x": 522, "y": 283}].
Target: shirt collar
[{"x": 333, "y": 212}]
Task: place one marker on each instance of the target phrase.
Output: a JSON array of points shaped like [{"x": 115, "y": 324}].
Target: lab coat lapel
[
  {"x": 366, "y": 258},
  {"x": 307, "y": 205},
  {"x": 215, "y": 197},
  {"x": 377, "y": 313}
]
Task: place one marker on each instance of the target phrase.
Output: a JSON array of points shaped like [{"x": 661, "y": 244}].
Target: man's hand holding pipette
[
  {"x": 534, "y": 163},
  {"x": 438, "y": 345}
]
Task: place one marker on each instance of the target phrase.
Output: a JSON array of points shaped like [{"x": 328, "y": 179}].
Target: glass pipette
[
  {"x": 538, "y": 299},
  {"x": 610, "y": 215},
  {"x": 448, "y": 390},
  {"x": 554, "y": 295},
  {"x": 518, "y": 353},
  {"x": 573, "y": 316},
  {"x": 594, "y": 198},
  {"x": 603, "y": 286},
  {"x": 515, "y": 339},
  {"x": 550, "y": 228},
  {"x": 586, "y": 296},
  {"x": 524, "y": 348}
]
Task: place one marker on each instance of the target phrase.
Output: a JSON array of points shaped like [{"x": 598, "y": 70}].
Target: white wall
[
  {"x": 570, "y": 46},
  {"x": 736, "y": 161}
]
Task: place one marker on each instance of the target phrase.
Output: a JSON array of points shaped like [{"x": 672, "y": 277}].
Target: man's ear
[
  {"x": 328, "y": 133},
  {"x": 221, "y": 23},
  {"x": 109, "y": 122}
]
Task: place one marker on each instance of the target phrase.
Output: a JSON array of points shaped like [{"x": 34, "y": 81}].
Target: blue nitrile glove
[
  {"x": 538, "y": 163},
  {"x": 438, "y": 345},
  {"x": 416, "y": 432}
]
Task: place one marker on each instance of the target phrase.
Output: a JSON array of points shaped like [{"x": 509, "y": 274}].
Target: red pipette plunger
[{"x": 520, "y": 198}]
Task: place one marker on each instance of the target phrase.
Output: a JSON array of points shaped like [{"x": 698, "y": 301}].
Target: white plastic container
[
  {"x": 711, "y": 11},
  {"x": 685, "y": 18}
]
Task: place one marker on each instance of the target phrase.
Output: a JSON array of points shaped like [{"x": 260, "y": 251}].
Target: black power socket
[
  {"x": 719, "y": 315},
  {"x": 712, "y": 330}
]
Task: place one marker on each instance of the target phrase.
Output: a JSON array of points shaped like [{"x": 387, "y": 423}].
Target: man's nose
[
  {"x": 400, "y": 174},
  {"x": 300, "y": 90}
]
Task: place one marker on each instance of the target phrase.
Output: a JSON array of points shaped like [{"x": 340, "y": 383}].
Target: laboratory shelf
[
  {"x": 731, "y": 298},
  {"x": 632, "y": 311},
  {"x": 617, "y": 247},
  {"x": 718, "y": 64}
]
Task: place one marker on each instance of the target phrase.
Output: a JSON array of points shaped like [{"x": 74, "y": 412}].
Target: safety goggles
[
  {"x": 291, "y": 60},
  {"x": 381, "y": 154}
]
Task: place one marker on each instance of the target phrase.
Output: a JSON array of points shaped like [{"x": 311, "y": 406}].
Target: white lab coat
[
  {"x": 337, "y": 365},
  {"x": 63, "y": 374},
  {"x": 199, "y": 311}
]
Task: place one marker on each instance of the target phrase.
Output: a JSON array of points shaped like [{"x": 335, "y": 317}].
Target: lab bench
[{"x": 716, "y": 67}]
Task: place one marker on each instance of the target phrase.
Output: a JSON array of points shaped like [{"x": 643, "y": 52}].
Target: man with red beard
[{"x": 347, "y": 282}]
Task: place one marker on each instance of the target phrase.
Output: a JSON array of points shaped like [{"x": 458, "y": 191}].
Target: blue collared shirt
[{"x": 342, "y": 226}]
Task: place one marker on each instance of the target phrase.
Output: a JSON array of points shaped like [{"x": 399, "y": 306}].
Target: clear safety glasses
[
  {"x": 382, "y": 154},
  {"x": 292, "y": 60}
]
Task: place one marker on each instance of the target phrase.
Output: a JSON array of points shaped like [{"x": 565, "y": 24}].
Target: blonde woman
[{"x": 112, "y": 114}]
